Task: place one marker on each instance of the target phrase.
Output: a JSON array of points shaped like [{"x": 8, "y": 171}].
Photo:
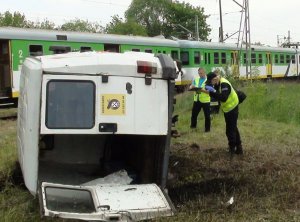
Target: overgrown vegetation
[{"x": 264, "y": 182}]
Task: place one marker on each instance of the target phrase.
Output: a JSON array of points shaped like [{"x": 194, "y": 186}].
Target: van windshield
[{"x": 70, "y": 104}]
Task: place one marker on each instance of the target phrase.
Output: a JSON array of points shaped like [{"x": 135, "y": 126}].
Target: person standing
[
  {"x": 222, "y": 90},
  {"x": 201, "y": 100}
]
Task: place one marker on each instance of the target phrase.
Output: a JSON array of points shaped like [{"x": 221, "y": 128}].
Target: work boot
[
  {"x": 175, "y": 133},
  {"x": 239, "y": 150},
  {"x": 232, "y": 150}
]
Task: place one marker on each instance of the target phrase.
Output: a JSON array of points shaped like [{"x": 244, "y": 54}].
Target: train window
[
  {"x": 245, "y": 58},
  {"x": 253, "y": 58},
  {"x": 287, "y": 58},
  {"x": 60, "y": 49},
  {"x": 111, "y": 48},
  {"x": 276, "y": 59},
  {"x": 197, "y": 57},
  {"x": 260, "y": 58},
  {"x": 184, "y": 57},
  {"x": 293, "y": 59},
  {"x": 164, "y": 52},
  {"x": 4, "y": 48},
  {"x": 216, "y": 58},
  {"x": 223, "y": 57},
  {"x": 85, "y": 49},
  {"x": 158, "y": 51},
  {"x": 70, "y": 104},
  {"x": 148, "y": 50},
  {"x": 35, "y": 50},
  {"x": 281, "y": 58},
  {"x": 174, "y": 54},
  {"x": 135, "y": 50}
]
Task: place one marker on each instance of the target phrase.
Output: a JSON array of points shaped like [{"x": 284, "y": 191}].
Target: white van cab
[{"x": 94, "y": 134}]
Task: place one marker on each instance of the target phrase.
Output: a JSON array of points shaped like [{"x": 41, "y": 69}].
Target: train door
[
  {"x": 5, "y": 69},
  {"x": 112, "y": 47},
  {"x": 235, "y": 64},
  {"x": 297, "y": 62},
  {"x": 268, "y": 64}
]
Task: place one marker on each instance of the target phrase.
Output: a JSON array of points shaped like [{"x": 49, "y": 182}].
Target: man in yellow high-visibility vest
[
  {"x": 201, "y": 100},
  {"x": 222, "y": 90}
]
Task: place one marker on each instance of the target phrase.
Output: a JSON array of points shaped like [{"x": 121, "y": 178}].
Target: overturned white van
[{"x": 94, "y": 134}]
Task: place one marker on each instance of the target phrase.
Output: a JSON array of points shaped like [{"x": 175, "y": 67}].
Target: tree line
[{"x": 143, "y": 18}]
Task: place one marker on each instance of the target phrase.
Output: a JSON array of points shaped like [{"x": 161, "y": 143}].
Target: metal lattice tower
[{"x": 247, "y": 34}]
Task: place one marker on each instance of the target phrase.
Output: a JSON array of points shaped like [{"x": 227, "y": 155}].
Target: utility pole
[
  {"x": 197, "y": 28},
  {"x": 221, "y": 38},
  {"x": 248, "y": 40},
  {"x": 246, "y": 31}
]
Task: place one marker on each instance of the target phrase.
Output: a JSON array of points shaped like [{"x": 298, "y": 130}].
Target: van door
[
  {"x": 105, "y": 202},
  {"x": 5, "y": 69}
]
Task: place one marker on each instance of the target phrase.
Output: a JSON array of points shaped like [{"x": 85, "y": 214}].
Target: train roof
[
  {"x": 52, "y": 35},
  {"x": 229, "y": 46}
]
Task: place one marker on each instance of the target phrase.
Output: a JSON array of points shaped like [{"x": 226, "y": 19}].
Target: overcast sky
[{"x": 269, "y": 19}]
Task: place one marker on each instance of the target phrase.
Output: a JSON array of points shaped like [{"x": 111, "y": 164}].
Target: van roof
[{"x": 98, "y": 63}]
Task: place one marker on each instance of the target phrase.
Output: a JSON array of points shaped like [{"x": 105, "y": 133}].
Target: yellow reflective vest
[
  {"x": 232, "y": 100},
  {"x": 201, "y": 96}
]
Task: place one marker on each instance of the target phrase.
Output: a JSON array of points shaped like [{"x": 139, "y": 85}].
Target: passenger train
[{"x": 17, "y": 43}]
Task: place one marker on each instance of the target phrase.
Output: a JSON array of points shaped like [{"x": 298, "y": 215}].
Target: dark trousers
[
  {"x": 232, "y": 132},
  {"x": 197, "y": 106}
]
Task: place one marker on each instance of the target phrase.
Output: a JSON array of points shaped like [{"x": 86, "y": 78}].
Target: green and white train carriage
[
  {"x": 266, "y": 62},
  {"x": 18, "y": 43}
]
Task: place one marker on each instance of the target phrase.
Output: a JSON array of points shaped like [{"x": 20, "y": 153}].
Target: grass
[
  {"x": 264, "y": 182},
  {"x": 8, "y": 112}
]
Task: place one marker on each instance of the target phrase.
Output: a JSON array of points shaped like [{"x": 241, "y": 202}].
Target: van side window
[
  {"x": 70, "y": 104},
  {"x": 184, "y": 57},
  {"x": 35, "y": 50}
]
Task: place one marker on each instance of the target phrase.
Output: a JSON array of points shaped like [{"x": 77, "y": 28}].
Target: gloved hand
[{"x": 210, "y": 89}]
